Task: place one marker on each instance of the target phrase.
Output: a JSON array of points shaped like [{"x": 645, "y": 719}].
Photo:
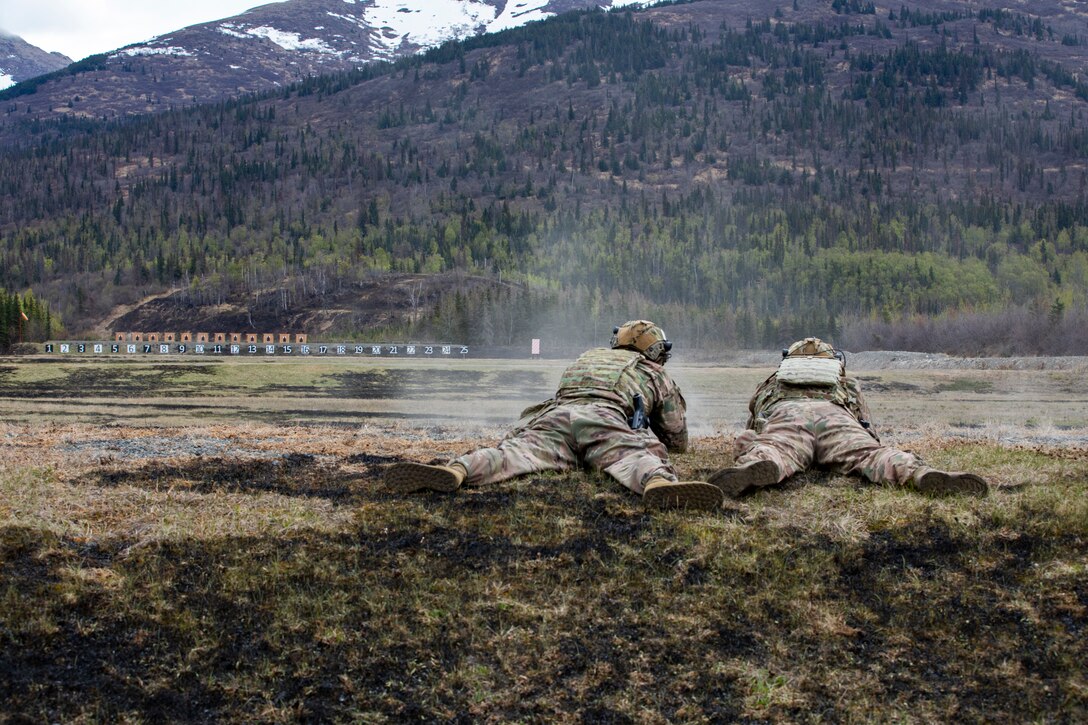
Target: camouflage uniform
[
  {"x": 796, "y": 426},
  {"x": 588, "y": 421}
]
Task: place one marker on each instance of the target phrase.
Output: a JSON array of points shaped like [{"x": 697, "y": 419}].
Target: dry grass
[
  {"x": 275, "y": 581},
  {"x": 246, "y": 571}
]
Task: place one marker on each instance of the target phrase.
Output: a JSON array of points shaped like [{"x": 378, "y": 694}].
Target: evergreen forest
[
  {"x": 820, "y": 168},
  {"x": 23, "y": 319}
]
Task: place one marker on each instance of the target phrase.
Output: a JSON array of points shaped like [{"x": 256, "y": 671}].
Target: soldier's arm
[
  {"x": 756, "y": 402},
  {"x": 856, "y": 402},
  {"x": 857, "y": 405},
  {"x": 668, "y": 419},
  {"x": 538, "y": 408}
]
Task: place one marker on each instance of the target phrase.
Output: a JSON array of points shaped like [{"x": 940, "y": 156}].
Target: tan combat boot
[
  {"x": 409, "y": 477},
  {"x": 942, "y": 483},
  {"x": 737, "y": 480},
  {"x": 661, "y": 493}
]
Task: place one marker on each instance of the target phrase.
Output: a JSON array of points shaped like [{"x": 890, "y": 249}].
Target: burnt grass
[
  {"x": 169, "y": 383},
  {"x": 472, "y": 606},
  {"x": 293, "y": 474},
  {"x": 118, "y": 380},
  {"x": 407, "y": 383}
]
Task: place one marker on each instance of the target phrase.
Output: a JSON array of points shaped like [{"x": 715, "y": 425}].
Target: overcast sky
[{"x": 78, "y": 28}]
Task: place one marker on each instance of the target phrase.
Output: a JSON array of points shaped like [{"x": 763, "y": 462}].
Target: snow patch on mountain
[
  {"x": 6, "y": 81},
  {"x": 515, "y": 14},
  {"x": 284, "y": 39},
  {"x": 403, "y": 21},
  {"x": 148, "y": 50},
  {"x": 292, "y": 41}
]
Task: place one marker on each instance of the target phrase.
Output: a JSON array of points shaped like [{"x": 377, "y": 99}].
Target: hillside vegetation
[{"x": 745, "y": 171}]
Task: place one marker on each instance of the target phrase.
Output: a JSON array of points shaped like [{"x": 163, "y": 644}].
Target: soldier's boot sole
[
  {"x": 411, "y": 477},
  {"x": 693, "y": 495},
  {"x": 735, "y": 482},
  {"x": 940, "y": 483}
]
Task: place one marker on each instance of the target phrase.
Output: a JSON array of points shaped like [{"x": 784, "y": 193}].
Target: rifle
[{"x": 638, "y": 418}]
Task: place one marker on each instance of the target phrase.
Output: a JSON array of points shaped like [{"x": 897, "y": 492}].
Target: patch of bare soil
[{"x": 103, "y": 329}]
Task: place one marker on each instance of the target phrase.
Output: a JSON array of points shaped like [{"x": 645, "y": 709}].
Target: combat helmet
[
  {"x": 810, "y": 347},
  {"x": 814, "y": 347},
  {"x": 645, "y": 337}
]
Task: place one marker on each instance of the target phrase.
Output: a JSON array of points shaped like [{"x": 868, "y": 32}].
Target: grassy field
[{"x": 211, "y": 542}]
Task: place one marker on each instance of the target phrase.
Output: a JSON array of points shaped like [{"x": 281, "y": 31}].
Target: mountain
[
  {"x": 21, "y": 61},
  {"x": 740, "y": 171},
  {"x": 263, "y": 48}
]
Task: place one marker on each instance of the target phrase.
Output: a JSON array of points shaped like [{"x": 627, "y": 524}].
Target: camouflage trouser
[
  {"x": 800, "y": 433},
  {"x": 564, "y": 436}
]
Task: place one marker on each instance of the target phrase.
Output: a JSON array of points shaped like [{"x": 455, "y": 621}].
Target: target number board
[{"x": 248, "y": 349}]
